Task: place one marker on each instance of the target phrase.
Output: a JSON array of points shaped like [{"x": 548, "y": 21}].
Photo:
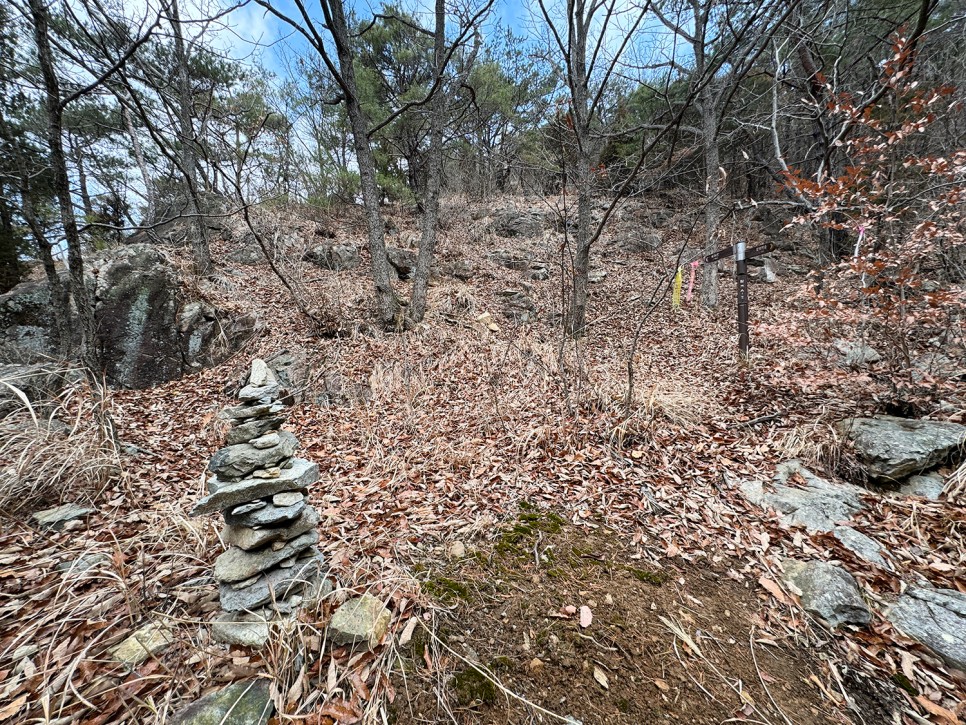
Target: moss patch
[
  {"x": 470, "y": 686},
  {"x": 529, "y": 523},
  {"x": 657, "y": 578},
  {"x": 446, "y": 589}
]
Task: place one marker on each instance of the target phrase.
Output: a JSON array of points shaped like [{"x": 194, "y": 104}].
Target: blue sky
[{"x": 252, "y": 23}]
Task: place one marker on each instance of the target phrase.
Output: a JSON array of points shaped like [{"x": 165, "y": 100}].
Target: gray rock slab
[
  {"x": 267, "y": 515},
  {"x": 864, "y": 547},
  {"x": 289, "y": 498},
  {"x": 248, "y": 538},
  {"x": 233, "y": 462},
  {"x": 274, "y": 585},
  {"x": 297, "y": 478},
  {"x": 240, "y": 703},
  {"x": 253, "y": 429},
  {"x": 268, "y": 440},
  {"x": 929, "y": 486},
  {"x": 818, "y": 506},
  {"x": 241, "y": 413},
  {"x": 360, "y": 621},
  {"x": 891, "y": 448},
  {"x": 855, "y": 352},
  {"x": 56, "y": 517},
  {"x": 827, "y": 591},
  {"x": 237, "y": 564},
  {"x": 937, "y": 619},
  {"x": 266, "y": 393},
  {"x": 76, "y": 567},
  {"x": 241, "y": 628}
]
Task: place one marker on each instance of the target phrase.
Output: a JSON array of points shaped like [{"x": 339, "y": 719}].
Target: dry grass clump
[
  {"x": 656, "y": 401},
  {"x": 816, "y": 444},
  {"x": 57, "y": 451}
]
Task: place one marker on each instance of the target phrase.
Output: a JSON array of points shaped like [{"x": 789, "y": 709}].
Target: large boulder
[
  {"x": 337, "y": 257},
  {"x": 149, "y": 329},
  {"x": 403, "y": 261},
  {"x": 25, "y": 317},
  {"x": 937, "y": 619},
  {"x": 510, "y": 223},
  {"x": 893, "y": 448}
]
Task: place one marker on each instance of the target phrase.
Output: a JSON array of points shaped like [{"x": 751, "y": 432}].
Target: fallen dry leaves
[{"x": 459, "y": 424}]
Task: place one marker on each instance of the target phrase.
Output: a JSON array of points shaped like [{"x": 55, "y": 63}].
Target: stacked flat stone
[{"x": 260, "y": 488}]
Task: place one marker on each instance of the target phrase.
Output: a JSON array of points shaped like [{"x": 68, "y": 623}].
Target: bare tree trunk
[
  {"x": 434, "y": 180},
  {"x": 200, "y": 248},
  {"x": 712, "y": 206},
  {"x": 583, "y": 179},
  {"x": 141, "y": 162},
  {"x": 386, "y": 299},
  {"x": 577, "y": 315},
  {"x": 78, "y": 154},
  {"x": 58, "y": 163}
]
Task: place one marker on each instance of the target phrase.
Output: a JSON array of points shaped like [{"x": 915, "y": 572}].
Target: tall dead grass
[{"x": 59, "y": 449}]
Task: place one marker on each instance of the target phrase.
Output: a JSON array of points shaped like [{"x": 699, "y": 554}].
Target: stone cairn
[{"x": 273, "y": 565}]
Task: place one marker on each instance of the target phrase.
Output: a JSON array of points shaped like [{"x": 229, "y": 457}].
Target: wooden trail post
[{"x": 742, "y": 254}]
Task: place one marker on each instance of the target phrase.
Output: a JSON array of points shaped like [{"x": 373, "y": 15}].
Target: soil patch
[{"x": 675, "y": 643}]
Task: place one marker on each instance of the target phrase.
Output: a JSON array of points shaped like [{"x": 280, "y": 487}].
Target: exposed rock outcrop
[
  {"x": 937, "y": 619},
  {"x": 892, "y": 449},
  {"x": 510, "y": 223},
  {"x": 148, "y": 328},
  {"x": 827, "y": 591},
  {"x": 818, "y": 506}
]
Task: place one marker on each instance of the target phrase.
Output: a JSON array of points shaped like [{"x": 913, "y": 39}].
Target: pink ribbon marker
[{"x": 694, "y": 270}]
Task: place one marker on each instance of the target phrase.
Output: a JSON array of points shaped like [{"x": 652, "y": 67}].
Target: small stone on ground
[
  {"x": 240, "y": 703},
  {"x": 56, "y": 517},
  {"x": 149, "y": 640},
  {"x": 360, "y": 621}
]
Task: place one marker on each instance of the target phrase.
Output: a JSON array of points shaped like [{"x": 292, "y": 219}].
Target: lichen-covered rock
[
  {"x": 864, "y": 547},
  {"x": 240, "y": 703},
  {"x": 25, "y": 318},
  {"x": 856, "y": 352},
  {"x": 937, "y": 619},
  {"x": 336, "y": 257},
  {"x": 929, "y": 486},
  {"x": 247, "y": 629},
  {"x": 148, "y": 328},
  {"x": 516, "y": 223},
  {"x": 827, "y": 591},
  {"x": 403, "y": 261},
  {"x": 893, "y": 448},
  {"x": 149, "y": 640},
  {"x": 360, "y": 621}
]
